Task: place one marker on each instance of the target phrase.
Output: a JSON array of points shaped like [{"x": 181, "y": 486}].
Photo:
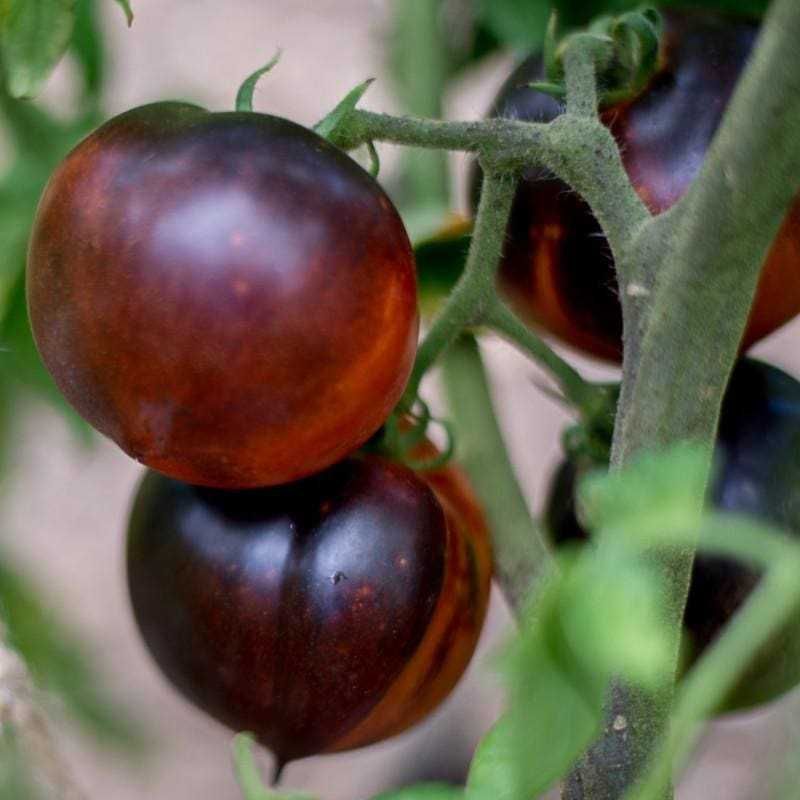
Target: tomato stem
[
  {"x": 770, "y": 607},
  {"x": 521, "y": 553}
]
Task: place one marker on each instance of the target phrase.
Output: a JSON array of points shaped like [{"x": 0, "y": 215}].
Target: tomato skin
[
  {"x": 558, "y": 269},
  {"x": 227, "y": 296},
  {"x": 757, "y": 474},
  {"x": 323, "y": 615}
]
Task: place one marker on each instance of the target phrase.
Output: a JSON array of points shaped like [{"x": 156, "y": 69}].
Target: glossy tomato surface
[
  {"x": 323, "y": 615},
  {"x": 227, "y": 296},
  {"x": 758, "y": 474},
  {"x": 558, "y": 269}
]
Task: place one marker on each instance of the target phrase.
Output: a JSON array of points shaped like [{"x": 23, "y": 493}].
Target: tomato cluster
[
  {"x": 557, "y": 269},
  {"x": 758, "y": 472},
  {"x": 233, "y": 301}
]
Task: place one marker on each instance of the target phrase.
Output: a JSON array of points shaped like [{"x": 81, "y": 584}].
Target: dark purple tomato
[
  {"x": 227, "y": 296},
  {"x": 322, "y": 615},
  {"x": 558, "y": 271},
  {"x": 758, "y": 474}
]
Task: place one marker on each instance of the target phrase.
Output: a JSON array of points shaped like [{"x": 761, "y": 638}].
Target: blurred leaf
[
  {"x": 521, "y": 24},
  {"x": 249, "y": 777},
  {"x": 596, "y": 617},
  {"x": 516, "y": 23},
  {"x": 657, "y": 495},
  {"x": 744, "y": 8},
  {"x": 56, "y": 663},
  {"x": 34, "y": 34},
  {"x": 610, "y": 616},
  {"x": 15, "y": 782},
  {"x": 424, "y": 791},
  {"x": 126, "y": 8},
  {"x": 87, "y": 46}
]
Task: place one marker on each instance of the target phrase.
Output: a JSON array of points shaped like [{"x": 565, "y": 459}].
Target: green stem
[
  {"x": 578, "y": 149},
  {"x": 467, "y": 303},
  {"x": 770, "y": 607},
  {"x": 711, "y": 246},
  {"x": 422, "y": 67},
  {"x": 521, "y": 552},
  {"x": 589, "y": 398},
  {"x": 581, "y": 80}
]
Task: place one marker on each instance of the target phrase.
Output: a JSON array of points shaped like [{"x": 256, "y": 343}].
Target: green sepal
[
  {"x": 127, "y": 10},
  {"x": 244, "y": 97},
  {"x": 332, "y": 125}
]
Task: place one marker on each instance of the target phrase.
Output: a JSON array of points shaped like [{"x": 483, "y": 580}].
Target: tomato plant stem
[
  {"x": 581, "y": 80},
  {"x": 520, "y": 549},
  {"x": 586, "y": 397},
  {"x": 467, "y": 303},
  {"x": 681, "y": 348},
  {"x": 769, "y": 608}
]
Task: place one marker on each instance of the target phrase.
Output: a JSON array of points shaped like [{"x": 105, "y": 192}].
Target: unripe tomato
[
  {"x": 558, "y": 271},
  {"x": 758, "y": 474},
  {"x": 322, "y": 615},
  {"x": 227, "y": 296}
]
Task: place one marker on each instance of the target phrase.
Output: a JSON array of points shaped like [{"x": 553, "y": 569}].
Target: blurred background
[{"x": 65, "y": 494}]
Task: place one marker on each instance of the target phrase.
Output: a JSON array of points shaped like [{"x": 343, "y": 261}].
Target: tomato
[
  {"x": 758, "y": 474},
  {"x": 227, "y": 296},
  {"x": 322, "y": 615},
  {"x": 558, "y": 271}
]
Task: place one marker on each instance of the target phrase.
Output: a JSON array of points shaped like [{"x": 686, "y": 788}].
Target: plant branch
[
  {"x": 521, "y": 552},
  {"x": 589, "y": 398},
  {"x": 581, "y": 80},
  {"x": 769, "y": 608},
  {"x": 466, "y": 304},
  {"x": 711, "y": 247}
]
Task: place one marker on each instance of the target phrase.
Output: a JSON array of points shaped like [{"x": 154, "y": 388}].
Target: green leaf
[
  {"x": 597, "y": 616},
  {"x": 127, "y": 10},
  {"x": 580, "y": 12},
  {"x": 249, "y": 777},
  {"x": 34, "y": 34},
  {"x": 424, "y": 791},
  {"x": 518, "y": 23},
  {"x": 244, "y": 97},
  {"x": 650, "y": 501},
  {"x": 57, "y": 664},
  {"x": 15, "y": 779},
  {"x": 87, "y": 46},
  {"x": 329, "y": 126}
]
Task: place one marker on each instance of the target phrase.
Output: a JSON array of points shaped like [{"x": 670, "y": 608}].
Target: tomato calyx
[
  {"x": 404, "y": 439},
  {"x": 624, "y": 48}
]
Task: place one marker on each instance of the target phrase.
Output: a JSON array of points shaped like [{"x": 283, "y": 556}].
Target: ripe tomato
[
  {"x": 227, "y": 296},
  {"x": 558, "y": 271},
  {"x": 758, "y": 460},
  {"x": 322, "y": 615}
]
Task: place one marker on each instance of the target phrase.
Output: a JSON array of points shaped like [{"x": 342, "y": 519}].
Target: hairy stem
[
  {"x": 581, "y": 80},
  {"x": 672, "y": 389},
  {"x": 466, "y": 304},
  {"x": 772, "y": 604},
  {"x": 589, "y": 398},
  {"x": 521, "y": 555}
]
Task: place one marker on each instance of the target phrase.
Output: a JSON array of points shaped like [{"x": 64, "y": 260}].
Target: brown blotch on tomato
[{"x": 227, "y": 296}]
